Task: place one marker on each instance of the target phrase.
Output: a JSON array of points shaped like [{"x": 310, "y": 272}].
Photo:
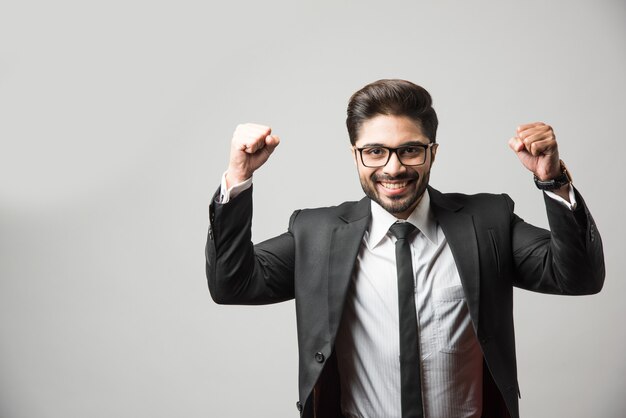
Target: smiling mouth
[{"x": 393, "y": 186}]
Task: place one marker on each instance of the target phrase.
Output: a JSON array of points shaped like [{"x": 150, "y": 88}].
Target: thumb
[{"x": 516, "y": 144}]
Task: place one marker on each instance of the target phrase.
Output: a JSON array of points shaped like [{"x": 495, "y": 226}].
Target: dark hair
[{"x": 392, "y": 97}]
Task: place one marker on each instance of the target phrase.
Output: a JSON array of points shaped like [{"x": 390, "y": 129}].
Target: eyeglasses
[{"x": 378, "y": 156}]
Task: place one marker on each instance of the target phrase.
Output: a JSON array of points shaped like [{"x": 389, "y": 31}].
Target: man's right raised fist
[{"x": 251, "y": 146}]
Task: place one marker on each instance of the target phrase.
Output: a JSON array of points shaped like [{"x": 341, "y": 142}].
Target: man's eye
[
  {"x": 412, "y": 150},
  {"x": 375, "y": 152}
]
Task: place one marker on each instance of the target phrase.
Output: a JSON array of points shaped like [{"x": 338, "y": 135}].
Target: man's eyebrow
[
  {"x": 413, "y": 143},
  {"x": 405, "y": 144},
  {"x": 373, "y": 144}
]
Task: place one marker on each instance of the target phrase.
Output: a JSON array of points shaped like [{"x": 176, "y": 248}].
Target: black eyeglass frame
[{"x": 395, "y": 151}]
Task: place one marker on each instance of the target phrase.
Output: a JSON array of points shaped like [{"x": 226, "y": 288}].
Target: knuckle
[{"x": 264, "y": 133}]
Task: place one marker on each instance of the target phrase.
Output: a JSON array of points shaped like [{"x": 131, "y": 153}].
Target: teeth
[{"x": 394, "y": 185}]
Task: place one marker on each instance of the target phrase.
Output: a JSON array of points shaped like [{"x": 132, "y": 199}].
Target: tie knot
[{"x": 401, "y": 230}]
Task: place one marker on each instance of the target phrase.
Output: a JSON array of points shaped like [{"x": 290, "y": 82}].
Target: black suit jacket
[{"x": 312, "y": 262}]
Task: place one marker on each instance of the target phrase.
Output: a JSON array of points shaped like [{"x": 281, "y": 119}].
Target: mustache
[{"x": 406, "y": 176}]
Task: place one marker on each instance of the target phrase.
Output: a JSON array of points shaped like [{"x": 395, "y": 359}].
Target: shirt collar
[{"x": 422, "y": 217}]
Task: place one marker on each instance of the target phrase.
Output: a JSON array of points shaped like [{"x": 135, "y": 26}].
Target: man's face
[{"x": 395, "y": 187}]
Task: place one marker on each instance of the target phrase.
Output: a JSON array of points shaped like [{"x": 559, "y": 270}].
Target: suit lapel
[
  {"x": 457, "y": 226},
  {"x": 460, "y": 233},
  {"x": 344, "y": 247}
]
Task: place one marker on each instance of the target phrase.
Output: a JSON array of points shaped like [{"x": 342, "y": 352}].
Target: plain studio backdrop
[{"x": 115, "y": 123}]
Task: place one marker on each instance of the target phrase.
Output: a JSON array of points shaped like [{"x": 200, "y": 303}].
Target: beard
[{"x": 396, "y": 204}]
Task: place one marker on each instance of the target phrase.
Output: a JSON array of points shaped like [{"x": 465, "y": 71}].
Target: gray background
[{"x": 115, "y": 122}]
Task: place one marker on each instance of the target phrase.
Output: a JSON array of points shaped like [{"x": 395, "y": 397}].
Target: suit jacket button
[
  {"x": 319, "y": 357},
  {"x": 592, "y": 230},
  {"x": 299, "y": 406}
]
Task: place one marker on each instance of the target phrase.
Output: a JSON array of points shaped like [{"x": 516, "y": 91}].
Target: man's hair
[{"x": 392, "y": 97}]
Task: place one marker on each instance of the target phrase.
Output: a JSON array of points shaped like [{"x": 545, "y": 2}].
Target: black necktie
[{"x": 411, "y": 385}]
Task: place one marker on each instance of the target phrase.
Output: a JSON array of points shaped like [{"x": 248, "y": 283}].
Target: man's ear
[{"x": 354, "y": 157}]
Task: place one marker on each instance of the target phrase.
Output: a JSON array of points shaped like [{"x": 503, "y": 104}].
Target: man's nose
[{"x": 393, "y": 166}]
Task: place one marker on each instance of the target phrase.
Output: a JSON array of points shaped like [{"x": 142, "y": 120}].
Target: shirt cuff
[
  {"x": 572, "y": 198},
  {"x": 230, "y": 193}
]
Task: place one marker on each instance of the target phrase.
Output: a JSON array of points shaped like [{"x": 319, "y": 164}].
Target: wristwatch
[{"x": 557, "y": 182}]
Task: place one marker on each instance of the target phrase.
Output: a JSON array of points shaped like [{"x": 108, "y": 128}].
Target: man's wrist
[
  {"x": 234, "y": 178},
  {"x": 556, "y": 181}
]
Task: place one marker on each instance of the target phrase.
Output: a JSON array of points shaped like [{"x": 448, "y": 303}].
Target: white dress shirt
[{"x": 367, "y": 344}]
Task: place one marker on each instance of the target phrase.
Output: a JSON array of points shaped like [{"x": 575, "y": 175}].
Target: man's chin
[{"x": 396, "y": 205}]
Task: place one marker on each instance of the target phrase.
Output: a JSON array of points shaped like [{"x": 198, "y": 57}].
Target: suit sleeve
[
  {"x": 568, "y": 259},
  {"x": 239, "y": 272}
]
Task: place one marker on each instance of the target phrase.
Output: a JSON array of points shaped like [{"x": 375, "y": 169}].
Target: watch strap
[{"x": 557, "y": 182}]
